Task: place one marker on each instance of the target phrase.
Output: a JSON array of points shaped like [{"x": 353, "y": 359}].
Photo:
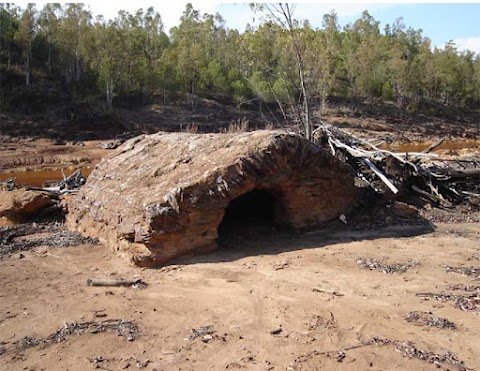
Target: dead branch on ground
[
  {"x": 70, "y": 184},
  {"x": 136, "y": 284},
  {"x": 372, "y": 264},
  {"x": 125, "y": 328},
  {"x": 443, "y": 182}
]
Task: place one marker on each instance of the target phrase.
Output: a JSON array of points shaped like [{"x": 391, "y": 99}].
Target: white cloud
[
  {"x": 469, "y": 43},
  {"x": 306, "y": 11},
  {"x": 238, "y": 15},
  {"x": 170, "y": 11}
]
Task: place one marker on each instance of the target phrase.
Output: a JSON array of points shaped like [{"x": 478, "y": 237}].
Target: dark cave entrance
[{"x": 254, "y": 214}]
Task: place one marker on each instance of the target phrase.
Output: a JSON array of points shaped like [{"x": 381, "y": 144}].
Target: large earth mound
[{"x": 165, "y": 195}]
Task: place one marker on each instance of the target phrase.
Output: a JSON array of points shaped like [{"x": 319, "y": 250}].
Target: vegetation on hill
[{"x": 132, "y": 60}]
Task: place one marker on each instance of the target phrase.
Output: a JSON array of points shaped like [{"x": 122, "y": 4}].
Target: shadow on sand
[{"x": 272, "y": 242}]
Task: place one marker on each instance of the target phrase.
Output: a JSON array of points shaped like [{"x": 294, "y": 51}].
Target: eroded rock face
[
  {"x": 18, "y": 205},
  {"x": 164, "y": 195}
]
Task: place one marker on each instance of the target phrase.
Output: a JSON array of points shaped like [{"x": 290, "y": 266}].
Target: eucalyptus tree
[
  {"x": 108, "y": 57},
  {"x": 73, "y": 29},
  {"x": 187, "y": 52},
  {"x": 9, "y": 24},
  {"x": 48, "y": 23},
  {"x": 369, "y": 57},
  {"x": 282, "y": 14},
  {"x": 323, "y": 57},
  {"x": 24, "y": 36}
]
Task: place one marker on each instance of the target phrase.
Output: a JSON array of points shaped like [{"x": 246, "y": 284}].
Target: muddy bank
[
  {"x": 446, "y": 147},
  {"x": 36, "y": 178},
  {"x": 43, "y": 154}
]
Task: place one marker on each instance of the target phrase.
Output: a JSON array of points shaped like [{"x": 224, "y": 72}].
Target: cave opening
[{"x": 253, "y": 214}]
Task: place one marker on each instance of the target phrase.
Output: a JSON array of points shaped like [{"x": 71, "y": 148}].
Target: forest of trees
[{"x": 133, "y": 57}]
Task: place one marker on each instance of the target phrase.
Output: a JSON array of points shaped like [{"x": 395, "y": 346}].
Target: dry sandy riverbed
[{"x": 275, "y": 304}]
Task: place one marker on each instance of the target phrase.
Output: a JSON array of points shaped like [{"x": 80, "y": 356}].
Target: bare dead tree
[{"x": 282, "y": 13}]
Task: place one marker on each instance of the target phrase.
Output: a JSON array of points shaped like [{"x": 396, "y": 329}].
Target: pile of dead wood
[
  {"x": 443, "y": 182},
  {"x": 69, "y": 184}
]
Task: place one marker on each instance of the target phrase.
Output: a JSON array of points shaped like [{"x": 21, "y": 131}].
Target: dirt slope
[{"x": 245, "y": 293}]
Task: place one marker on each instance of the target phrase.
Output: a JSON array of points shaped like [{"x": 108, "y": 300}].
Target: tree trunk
[
  {"x": 324, "y": 102},
  {"x": 305, "y": 105},
  {"x": 49, "y": 62},
  {"x": 69, "y": 71},
  {"x": 109, "y": 92},
  {"x": 194, "y": 99},
  {"x": 77, "y": 67},
  {"x": 27, "y": 64}
]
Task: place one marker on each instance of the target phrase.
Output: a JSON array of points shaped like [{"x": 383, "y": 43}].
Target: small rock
[
  {"x": 341, "y": 356},
  {"x": 17, "y": 205},
  {"x": 141, "y": 364},
  {"x": 207, "y": 338},
  {"x": 276, "y": 331}
]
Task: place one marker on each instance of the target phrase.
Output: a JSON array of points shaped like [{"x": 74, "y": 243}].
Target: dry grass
[
  {"x": 191, "y": 128},
  {"x": 373, "y": 264},
  {"x": 121, "y": 327},
  {"x": 429, "y": 319},
  {"x": 240, "y": 125}
]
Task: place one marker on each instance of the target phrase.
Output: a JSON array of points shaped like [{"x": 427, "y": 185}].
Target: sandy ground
[{"x": 308, "y": 290}]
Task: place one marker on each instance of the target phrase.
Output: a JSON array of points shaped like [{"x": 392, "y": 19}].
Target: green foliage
[
  {"x": 132, "y": 56},
  {"x": 261, "y": 87}
]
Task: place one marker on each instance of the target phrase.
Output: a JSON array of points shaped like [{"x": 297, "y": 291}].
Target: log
[
  {"x": 116, "y": 283},
  {"x": 382, "y": 176},
  {"x": 426, "y": 194},
  {"x": 334, "y": 293},
  {"x": 54, "y": 190}
]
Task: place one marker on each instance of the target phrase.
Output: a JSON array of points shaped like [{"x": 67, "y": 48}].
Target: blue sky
[{"x": 439, "y": 21}]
